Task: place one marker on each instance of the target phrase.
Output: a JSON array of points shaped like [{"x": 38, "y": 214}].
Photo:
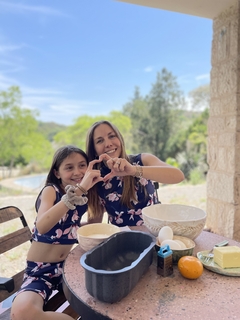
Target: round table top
[{"x": 156, "y": 297}]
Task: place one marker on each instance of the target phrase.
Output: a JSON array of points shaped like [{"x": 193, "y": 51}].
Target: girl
[
  {"x": 60, "y": 207},
  {"x": 128, "y": 180}
]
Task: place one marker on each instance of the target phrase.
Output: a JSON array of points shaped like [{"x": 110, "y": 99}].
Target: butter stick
[{"x": 227, "y": 257}]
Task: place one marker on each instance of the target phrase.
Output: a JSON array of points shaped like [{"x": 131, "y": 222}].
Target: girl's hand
[
  {"x": 91, "y": 177},
  {"x": 73, "y": 198},
  {"x": 119, "y": 167}
]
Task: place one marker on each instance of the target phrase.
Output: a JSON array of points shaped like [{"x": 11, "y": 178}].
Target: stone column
[{"x": 223, "y": 179}]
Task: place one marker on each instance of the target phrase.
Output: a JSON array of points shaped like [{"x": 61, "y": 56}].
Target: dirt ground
[{"x": 194, "y": 195}]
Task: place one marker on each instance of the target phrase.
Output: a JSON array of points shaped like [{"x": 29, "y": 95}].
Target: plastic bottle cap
[{"x": 164, "y": 251}]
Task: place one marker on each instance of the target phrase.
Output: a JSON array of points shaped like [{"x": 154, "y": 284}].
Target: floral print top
[
  {"x": 110, "y": 195},
  {"x": 65, "y": 231}
]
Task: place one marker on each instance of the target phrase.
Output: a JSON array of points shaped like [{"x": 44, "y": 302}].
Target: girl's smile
[{"x": 72, "y": 170}]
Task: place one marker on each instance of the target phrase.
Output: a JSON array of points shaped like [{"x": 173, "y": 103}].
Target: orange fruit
[{"x": 190, "y": 267}]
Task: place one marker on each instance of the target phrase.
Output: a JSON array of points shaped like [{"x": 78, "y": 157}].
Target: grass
[{"x": 6, "y": 192}]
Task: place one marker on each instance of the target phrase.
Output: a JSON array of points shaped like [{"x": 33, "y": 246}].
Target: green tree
[
  {"x": 155, "y": 117},
  {"x": 194, "y": 154},
  {"x": 164, "y": 101},
  {"x": 76, "y": 133},
  {"x": 19, "y": 140},
  {"x": 137, "y": 111},
  {"x": 191, "y": 134},
  {"x": 200, "y": 98}
]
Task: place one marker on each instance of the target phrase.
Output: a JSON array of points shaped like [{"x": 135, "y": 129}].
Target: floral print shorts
[{"x": 42, "y": 278}]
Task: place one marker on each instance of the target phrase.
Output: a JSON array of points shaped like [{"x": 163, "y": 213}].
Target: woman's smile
[{"x": 106, "y": 141}]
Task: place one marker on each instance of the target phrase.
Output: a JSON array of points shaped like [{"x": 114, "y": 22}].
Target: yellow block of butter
[{"x": 227, "y": 257}]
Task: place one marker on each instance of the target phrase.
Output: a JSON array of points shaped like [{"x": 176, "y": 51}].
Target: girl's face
[
  {"x": 72, "y": 169},
  {"x": 106, "y": 141}
]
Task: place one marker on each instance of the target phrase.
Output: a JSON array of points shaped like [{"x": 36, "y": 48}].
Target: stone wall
[{"x": 223, "y": 179}]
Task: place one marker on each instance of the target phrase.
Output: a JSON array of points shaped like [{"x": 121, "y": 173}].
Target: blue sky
[{"x": 77, "y": 57}]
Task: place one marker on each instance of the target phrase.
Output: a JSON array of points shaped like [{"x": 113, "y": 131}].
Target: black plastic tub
[{"x": 115, "y": 266}]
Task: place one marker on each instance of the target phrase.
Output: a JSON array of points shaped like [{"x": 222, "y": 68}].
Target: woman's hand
[
  {"x": 119, "y": 167},
  {"x": 153, "y": 169}
]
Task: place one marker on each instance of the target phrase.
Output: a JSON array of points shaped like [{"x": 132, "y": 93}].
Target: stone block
[
  {"x": 236, "y": 230},
  {"x": 234, "y": 30},
  {"x": 220, "y": 217},
  {"x": 231, "y": 123},
  {"x": 212, "y": 152},
  {"x": 222, "y": 159},
  {"x": 227, "y": 105},
  {"x": 226, "y": 219},
  {"x": 228, "y": 76},
  {"x": 238, "y": 141},
  {"x": 237, "y": 161},
  {"x": 220, "y": 186},
  {"x": 223, "y": 42},
  {"x": 230, "y": 14},
  {"x": 230, "y": 162},
  {"x": 237, "y": 189},
  {"x": 238, "y": 122},
  {"x": 214, "y": 83},
  {"x": 215, "y": 125},
  {"x": 211, "y": 210},
  {"x": 214, "y": 60},
  {"x": 215, "y": 109},
  {"x": 227, "y": 139}
]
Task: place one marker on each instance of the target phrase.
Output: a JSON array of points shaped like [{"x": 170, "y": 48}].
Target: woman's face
[
  {"x": 106, "y": 141},
  {"x": 72, "y": 169}
]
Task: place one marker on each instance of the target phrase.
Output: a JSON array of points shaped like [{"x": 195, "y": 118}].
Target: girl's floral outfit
[{"x": 44, "y": 277}]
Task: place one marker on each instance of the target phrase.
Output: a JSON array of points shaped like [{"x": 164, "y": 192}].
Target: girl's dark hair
[{"x": 60, "y": 155}]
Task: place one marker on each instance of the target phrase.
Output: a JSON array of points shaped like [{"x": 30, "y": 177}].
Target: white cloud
[
  {"x": 7, "y": 48},
  {"x": 6, "y": 82},
  {"x": 148, "y": 69},
  {"x": 191, "y": 81},
  {"x": 21, "y": 8},
  {"x": 37, "y": 91},
  {"x": 53, "y": 106},
  {"x": 51, "y": 103},
  {"x": 7, "y": 63},
  {"x": 203, "y": 77},
  {"x": 186, "y": 78}
]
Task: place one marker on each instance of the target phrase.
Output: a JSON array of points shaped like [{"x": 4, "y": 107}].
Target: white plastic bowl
[
  {"x": 92, "y": 234},
  {"x": 186, "y": 221}
]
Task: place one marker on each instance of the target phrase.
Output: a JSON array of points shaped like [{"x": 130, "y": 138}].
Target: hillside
[{"x": 49, "y": 129}]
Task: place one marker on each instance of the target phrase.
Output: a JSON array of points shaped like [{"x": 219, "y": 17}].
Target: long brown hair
[
  {"x": 60, "y": 155},
  {"x": 129, "y": 181}
]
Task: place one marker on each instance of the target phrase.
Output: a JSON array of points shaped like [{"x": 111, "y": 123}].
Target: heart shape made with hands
[{"x": 118, "y": 166}]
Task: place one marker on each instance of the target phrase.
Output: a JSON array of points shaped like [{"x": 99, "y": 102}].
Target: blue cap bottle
[{"x": 164, "y": 261}]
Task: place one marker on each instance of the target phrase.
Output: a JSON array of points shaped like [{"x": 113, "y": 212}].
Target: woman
[
  {"x": 60, "y": 207},
  {"x": 128, "y": 180}
]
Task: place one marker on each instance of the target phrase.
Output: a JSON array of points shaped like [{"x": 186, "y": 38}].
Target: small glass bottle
[{"x": 164, "y": 261}]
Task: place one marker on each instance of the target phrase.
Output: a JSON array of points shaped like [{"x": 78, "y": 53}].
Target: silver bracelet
[{"x": 67, "y": 202}]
